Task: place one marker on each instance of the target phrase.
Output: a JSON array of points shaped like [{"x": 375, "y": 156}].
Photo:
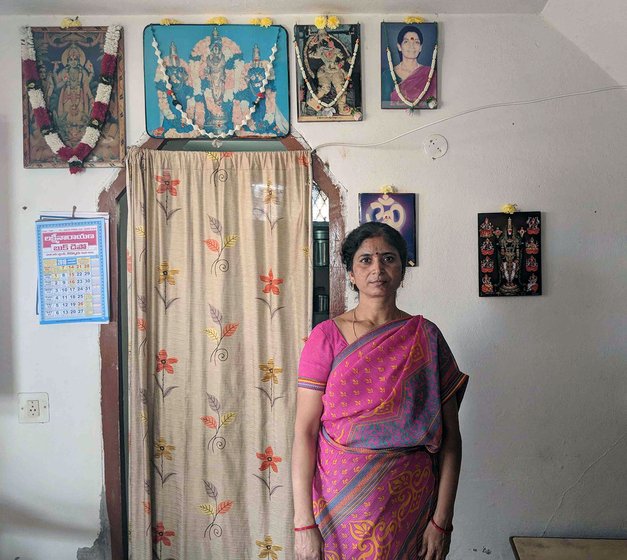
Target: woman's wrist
[
  {"x": 304, "y": 521},
  {"x": 306, "y": 527},
  {"x": 443, "y": 529},
  {"x": 443, "y": 519}
]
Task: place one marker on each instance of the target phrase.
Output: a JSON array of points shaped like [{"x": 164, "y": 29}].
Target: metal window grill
[{"x": 319, "y": 205}]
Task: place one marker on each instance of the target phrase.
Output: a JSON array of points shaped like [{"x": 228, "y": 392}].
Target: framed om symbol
[{"x": 395, "y": 209}]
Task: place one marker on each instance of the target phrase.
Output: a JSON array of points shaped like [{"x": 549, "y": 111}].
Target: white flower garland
[
  {"x": 341, "y": 92},
  {"x": 38, "y": 101},
  {"x": 412, "y": 104},
  {"x": 184, "y": 114}
]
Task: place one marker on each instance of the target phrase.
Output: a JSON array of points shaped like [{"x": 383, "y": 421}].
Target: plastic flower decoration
[
  {"x": 70, "y": 22},
  {"x": 320, "y": 22},
  {"x": 333, "y": 22},
  {"x": 414, "y": 19},
  {"x": 509, "y": 208},
  {"x": 220, "y": 20},
  {"x": 170, "y": 21},
  {"x": 387, "y": 189},
  {"x": 262, "y": 22}
]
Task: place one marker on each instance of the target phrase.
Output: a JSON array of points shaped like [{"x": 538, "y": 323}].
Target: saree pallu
[{"x": 375, "y": 484}]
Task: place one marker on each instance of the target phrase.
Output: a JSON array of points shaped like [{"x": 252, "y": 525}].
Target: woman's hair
[
  {"x": 408, "y": 29},
  {"x": 373, "y": 229}
]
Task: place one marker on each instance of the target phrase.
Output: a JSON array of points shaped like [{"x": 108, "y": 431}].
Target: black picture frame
[
  {"x": 509, "y": 254},
  {"x": 318, "y": 83}
]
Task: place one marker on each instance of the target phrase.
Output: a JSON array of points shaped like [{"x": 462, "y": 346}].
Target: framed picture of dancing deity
[
  {"x": 510, "y": 253},
  {"x": 68, "y": 63},
  {"x": 409, "y": 65},
  {"x": 328, "y": 73},
  {"x": 216, "y": 81},
  {"x": 395, "y": 209}
]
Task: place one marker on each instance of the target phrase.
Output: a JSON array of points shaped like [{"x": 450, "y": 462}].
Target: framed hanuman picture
[
  {"x": 510, "y": 253},
  {"x": 328, "y": 73},
  {"x": 216, "y": 81},
  {"x": 394, "y": 209},
  {"x": 68, "y": 69},
  {"x": 409, "y": 65}
]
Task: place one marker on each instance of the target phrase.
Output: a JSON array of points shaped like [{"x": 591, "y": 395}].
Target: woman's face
[
  {"x": 377, "y": 269},
  {"x": 410, "y": 47}
]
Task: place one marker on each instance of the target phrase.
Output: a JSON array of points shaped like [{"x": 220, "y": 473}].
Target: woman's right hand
[{"x": 309, "y": 545}]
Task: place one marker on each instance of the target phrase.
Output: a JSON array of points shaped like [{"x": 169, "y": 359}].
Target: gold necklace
[
  {"x": 397, "y": 315},
  {"x": 354, "y": 319}
]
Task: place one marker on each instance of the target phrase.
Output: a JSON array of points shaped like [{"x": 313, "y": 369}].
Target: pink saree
[
  {"x": 375, "y": 483},
  {"x": 412, "y": 86}
]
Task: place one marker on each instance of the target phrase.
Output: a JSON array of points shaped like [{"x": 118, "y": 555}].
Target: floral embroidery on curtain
[{"x": 219, "y": 306}]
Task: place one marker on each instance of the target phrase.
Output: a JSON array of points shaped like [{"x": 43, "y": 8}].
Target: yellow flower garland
[
  {"x": 220, "y": 20},
  {"x": 333, "y": 22},
  {"x": 414, "y": 19},
  {"x": 330, "y": 22},
  {"x": 320, "y": 22},
  {"x": 262, "y": 22},
  {"x": 70, "y": 22}
]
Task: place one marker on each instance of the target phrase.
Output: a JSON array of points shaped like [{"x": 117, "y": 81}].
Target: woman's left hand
[{"x": 435, "y": 544}]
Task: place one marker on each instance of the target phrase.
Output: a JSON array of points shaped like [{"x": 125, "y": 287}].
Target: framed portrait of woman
[
  {"x": 394, "y": 209},
  {"x": 216, "y": 81},
  {"x": 328, "y": 73},
  {"x": 409, "y": 65},
  {"x": 69, "y": 63}
]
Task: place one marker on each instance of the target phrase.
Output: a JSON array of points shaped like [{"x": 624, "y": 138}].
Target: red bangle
[
  {"x": 314, "y": 526},
  {"x": 441, "y": 529}
]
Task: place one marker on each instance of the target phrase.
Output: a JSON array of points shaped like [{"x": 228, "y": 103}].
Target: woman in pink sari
[
  {"x": 377, "y": 448},
  {"x": 416, "y": 83}
]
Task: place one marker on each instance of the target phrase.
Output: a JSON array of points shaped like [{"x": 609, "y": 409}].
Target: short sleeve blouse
[{"x": 324, "y": 343}]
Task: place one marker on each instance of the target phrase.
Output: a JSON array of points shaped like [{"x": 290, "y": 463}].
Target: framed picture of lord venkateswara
[
  {"x": 409, "y": 65},
  {"x": 69, "y": 63},
  {"x": 328, "y": 73},
  {"x": 216, "y": 81},
  {"x": 510, "y": 253},
  {"x": 395, "y": 209}
]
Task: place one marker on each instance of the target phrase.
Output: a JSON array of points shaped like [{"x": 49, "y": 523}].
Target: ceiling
[{"x": 267, "y": 7}]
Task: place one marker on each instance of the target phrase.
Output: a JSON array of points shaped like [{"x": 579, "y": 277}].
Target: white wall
[
  {"x": 598, "y": 28},
  {"x": 545, "y": 411}
]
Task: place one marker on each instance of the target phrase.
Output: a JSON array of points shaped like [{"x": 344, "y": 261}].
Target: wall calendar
[{"x": 73, "y": 272}]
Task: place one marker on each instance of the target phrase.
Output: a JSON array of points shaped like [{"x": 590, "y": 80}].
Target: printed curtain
[{"x": 219, "y": 279}]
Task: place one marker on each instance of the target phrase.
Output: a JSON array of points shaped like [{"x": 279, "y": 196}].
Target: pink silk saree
[
  {"x": 375, "y": 483},
  {"x": 412, "y": 86}
]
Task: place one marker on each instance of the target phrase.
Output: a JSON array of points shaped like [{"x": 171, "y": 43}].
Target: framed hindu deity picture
[
  {"x": 216, "y": 81},
  {"x": 408, "y": 65},
  {"x": 75, "y": 111},
  {"x": 395, "y": 209},
  {"x": 510, "y": 254},
  {"x": 328, "y": 73}
]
